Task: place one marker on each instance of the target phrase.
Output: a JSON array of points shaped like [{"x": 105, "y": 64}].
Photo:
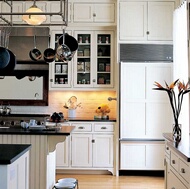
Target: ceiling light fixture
[{"x": 32, "y": 19}]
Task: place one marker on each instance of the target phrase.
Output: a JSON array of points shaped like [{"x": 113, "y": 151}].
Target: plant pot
[{"x": 71, "y": 113}]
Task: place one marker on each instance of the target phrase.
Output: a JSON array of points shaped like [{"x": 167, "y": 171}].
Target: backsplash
[{"x": 89, "y": 100}]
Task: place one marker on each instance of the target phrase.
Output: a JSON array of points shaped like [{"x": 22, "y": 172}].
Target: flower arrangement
[
  {"x": 72, "y": 103},
  {"x": 176, "y": 102},
  {"x": 103, "y": 109}
]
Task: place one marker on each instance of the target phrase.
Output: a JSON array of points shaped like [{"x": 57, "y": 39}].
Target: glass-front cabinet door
[
  {"x": 60, "y": 75},
  {"x": 93, "y": 63}
]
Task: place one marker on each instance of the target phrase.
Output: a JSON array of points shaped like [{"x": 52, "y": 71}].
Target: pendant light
[{"x": 34, "y": 19}]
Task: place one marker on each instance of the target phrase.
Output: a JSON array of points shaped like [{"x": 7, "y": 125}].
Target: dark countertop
[
  {"x": 66, "y": 130},
  {"x": 11, "y": 152},
  {"x": 90, "y": 119},
  {"x": 181, "y": 148}
]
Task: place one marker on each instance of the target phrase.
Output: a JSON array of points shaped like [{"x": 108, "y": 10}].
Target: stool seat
[
  {"x": 64, "y": 185},
  {"x": 70, "y": 180}
]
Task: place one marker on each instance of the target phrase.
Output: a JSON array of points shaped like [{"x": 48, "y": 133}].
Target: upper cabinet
[
  {"x": 94, "y": 13},
  {"x": 145, "y": 21},
  {"x": 93, "y": 64},
  {"x": 86, "y": 12}
]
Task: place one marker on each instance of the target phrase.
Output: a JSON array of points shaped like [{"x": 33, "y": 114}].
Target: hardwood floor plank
[{"x": 113, "y": 182}]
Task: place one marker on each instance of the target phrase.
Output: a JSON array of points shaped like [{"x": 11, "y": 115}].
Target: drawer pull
[
  {"x": 182, "y": 170},
  {"x": 173, "y": 187},
  {"x": 81, "y": 127},
  {"x": 103, "y": 127},
  {"x": 173, "y": 161}
]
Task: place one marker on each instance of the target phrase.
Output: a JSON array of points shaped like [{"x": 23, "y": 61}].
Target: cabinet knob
[
  {"x": 147, "y": 32},
  {"x": 94, "y": 14},
  {"x": 51, "y": 80},
  {"x": 81, "y": 127},
  {"x": 173, "y": 188},
  {"x": 94, "y": 80},
  {"x": 173, "y": 161},
  {"x": 182, "y": 170},
  {"x": 93, "y": 141},
  {"x": 167, "y": 148}
]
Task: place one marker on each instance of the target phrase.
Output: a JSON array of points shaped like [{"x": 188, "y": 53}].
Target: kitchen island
[
  {"x": 14, "y": 166},
  {"x": 177, "y": 163},
  {"x": 42, "y": 153}
]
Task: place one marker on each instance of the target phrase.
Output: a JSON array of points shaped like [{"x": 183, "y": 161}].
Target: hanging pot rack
[{"x": 63, "y": 12}]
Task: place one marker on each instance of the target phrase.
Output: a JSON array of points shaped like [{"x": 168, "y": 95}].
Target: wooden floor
[{"x": 113, "y": 182}]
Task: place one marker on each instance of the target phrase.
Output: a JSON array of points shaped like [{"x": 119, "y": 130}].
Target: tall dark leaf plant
[{"x": 175, "y": 99}]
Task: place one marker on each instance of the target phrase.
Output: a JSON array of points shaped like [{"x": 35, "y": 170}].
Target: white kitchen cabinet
[
  {"x": 142, "y": 155},
  {"x": 89, "y": 68},
  {"x": 145, "y": 21},
  {"x": 94, "y": 63},
  {"x": 55, "y": 7},
  {"x": 90, "y": 147},
  {"x": 139, "y": 99},
  {"x": 81, "y": 145},
  {"x": 18, "y": 7},
  {"x": 93, "y": 12},
  {"x": 178, "y": 170}
]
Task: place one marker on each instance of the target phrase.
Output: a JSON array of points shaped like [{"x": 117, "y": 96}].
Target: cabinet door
[
  {"x": 81, "y": 150},
  {"x": 132, "y": 20},
  {"x": 62, "y": 154},
  {"x": 104, "y": 12},
  {"x": 155, "y": 156},
  {"x": 160, "y": 20},
  {"x": 102, "y": 150},
  {"x": 55, "y": 7},
  {"x": 132, "y": 156},
  {"x": 18, "y": 7},
  {"x": 83, "y": 12},
  {"x": 103, "y": 77},
  {"x": 83, "y": 60},
  {"x": 60, "y": 72},
  {"x": 174, "y": 182}
]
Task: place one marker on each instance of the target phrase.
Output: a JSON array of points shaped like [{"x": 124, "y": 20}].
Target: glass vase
[{"x": 177, "y": 132}]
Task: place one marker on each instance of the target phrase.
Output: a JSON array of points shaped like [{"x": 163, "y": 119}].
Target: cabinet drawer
[
  {"x": 184, "y": 170},
  {"x": 103, "y": 127},
  {"x": 174, "y": 161},
  {"x": 82, "y": 127}
]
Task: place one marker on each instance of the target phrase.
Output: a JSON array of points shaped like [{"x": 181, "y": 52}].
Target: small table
[{"x": 14, "y": 166}]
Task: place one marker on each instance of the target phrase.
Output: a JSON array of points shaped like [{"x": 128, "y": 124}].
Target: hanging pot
[
  {"x": 49, "y": 54},
  {"x": 69, "y": 46},
  {"x": 11, "y": 65},
  {"x": 35, "y": 53},
  {"x": 4, "y": 57}
]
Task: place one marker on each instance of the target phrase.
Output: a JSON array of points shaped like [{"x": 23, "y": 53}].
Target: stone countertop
[
  {"x": 66, "y": 130},
  {"x": 182, "y": 148},
  {"x": 90, "y": 119},
  {"x": 11, "y": 152}
]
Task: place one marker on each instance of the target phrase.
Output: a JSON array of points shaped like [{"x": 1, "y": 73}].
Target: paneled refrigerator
[{"x": 144, "y": 113}]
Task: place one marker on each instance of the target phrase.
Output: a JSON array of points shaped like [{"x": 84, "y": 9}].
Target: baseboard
[{"x": 141, "y": 173}]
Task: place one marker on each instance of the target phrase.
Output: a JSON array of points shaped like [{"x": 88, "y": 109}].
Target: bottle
[
  {"x": 107, "y": 39},
  {"x": 100, "y": 52},
  {"x": 99, "y": 40},
  {"x": 86, "y": 40}
]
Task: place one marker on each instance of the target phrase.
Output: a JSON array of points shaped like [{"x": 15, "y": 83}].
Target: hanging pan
[
  {"x": 35, "y": 53},
  {"x": 49, "y": 54},
  {"x": 67, "y": 47}
]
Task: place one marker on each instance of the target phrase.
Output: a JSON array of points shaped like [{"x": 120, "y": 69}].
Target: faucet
[{"x": 110, "y": 98}]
